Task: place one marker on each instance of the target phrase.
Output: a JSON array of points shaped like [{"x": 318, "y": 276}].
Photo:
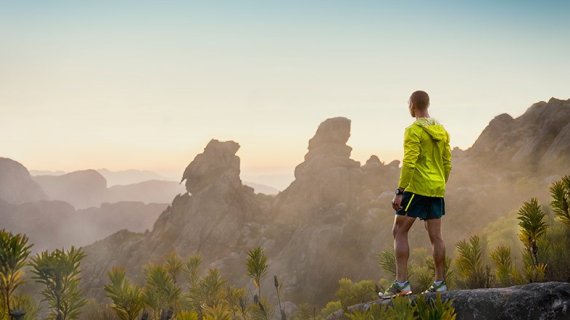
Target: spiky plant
[
  {"x": 209, "y": 291},
  {"x": 387, "y": 261},
  {"x": 257, "y": 267},
  {"x": 26, "y": 303},
  {"x": 14, "y": 250},
  {"x": 234, "y": 298},
  {"x": 434, "y": 309},
  {"x": 217, "y": 312},
  {"x": 160, "y": 292},
  {"x": 401, "y": 309},
  {"x": 173, "y": 265},
  {"x": 59, "y": 272},
  {"x": 560, "y": 192},
  {"x": 187, "y": 315},
  {"x": 191, "y": 269},
  {"x": 501, "y": 257},
  {"x": 127, "y": 299},
  {"x": 532, "y": 227},
  {"x": 469, "y": 262}
]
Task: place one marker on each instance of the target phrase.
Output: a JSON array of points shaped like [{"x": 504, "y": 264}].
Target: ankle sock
[
  {"x": 402, "y": 284},
  {"x": 438, "y": 283}
]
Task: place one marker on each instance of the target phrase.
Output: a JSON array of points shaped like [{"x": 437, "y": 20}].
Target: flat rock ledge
[{"x": 535, "y": 301}]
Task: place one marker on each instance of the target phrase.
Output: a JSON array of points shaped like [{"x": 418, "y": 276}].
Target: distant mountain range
[
  {"x": 59, "y": 209},
  {"x": 131, "y": 176}
]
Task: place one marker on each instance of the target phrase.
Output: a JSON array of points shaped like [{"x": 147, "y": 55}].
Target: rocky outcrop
[
  {"x": 326, "y": 178},
  {"x": 217, "y": 218},
  {"x": 16, "y": 184},
  {"x": 217, "y": 162},
  {"x": 538, "y": 140},
  {"x": 550, "y": 300},
  {"x": 317, "y": 216}
]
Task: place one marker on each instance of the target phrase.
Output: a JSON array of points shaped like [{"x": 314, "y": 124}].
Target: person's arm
[
  {"x": 412, "y": 149},
  {"x": 447, "y": 158}
]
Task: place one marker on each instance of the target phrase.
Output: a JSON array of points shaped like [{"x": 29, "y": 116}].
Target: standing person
[{"x": 425, "y": 170}]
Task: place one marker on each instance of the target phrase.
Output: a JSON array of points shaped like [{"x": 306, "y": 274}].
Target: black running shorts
[{"x": 418, "y": 206}]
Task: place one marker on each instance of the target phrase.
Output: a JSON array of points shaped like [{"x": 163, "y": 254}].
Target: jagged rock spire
[{"x": 217, "y": 163}]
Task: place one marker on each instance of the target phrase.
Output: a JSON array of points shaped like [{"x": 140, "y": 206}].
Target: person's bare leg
[
  {"x": 433, "y": 227},
  {"x": 402, "y": 225}
]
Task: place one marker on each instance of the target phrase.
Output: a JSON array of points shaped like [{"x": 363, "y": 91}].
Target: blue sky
[{"x": 146, "y": 84}]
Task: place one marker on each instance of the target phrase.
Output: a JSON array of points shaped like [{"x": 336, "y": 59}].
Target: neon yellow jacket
[{"x": 427, "y": 158}]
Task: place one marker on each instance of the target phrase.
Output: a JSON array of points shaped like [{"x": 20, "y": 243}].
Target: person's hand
[{"x": 397, "y": 202}]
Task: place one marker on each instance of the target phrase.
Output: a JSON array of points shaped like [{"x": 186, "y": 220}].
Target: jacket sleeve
[
  {"x": 411, "y": 153},
  {"x": 447, "y": 158}
]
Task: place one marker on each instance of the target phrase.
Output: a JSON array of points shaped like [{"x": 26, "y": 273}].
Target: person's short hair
[{"x": 420, "y": 99}]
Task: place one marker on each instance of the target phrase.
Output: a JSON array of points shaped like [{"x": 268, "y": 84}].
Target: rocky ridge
[
  {"x": 220, "y": 218},
  {"x": 537, "y": 140}
]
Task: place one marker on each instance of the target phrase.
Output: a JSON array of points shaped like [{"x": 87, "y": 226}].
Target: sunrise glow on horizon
[{"x": 145, "y": 85}]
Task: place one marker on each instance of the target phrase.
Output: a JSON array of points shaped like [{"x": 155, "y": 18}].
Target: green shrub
[
  {"x": 469, "y": 263},
  {"x": 402, "y": 308},
  {"x": 350, "y": 293},
  {"x": 127, "y": 298},
  {"x": 59, "y": 272}
]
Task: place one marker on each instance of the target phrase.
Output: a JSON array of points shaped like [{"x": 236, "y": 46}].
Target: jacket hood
[{"x": 436, "y": 131}]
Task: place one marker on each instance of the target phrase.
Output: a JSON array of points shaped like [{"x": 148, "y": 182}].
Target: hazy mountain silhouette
[
  {"x": 131, "y": 176},
  {"x": 147, "y": 191},
  {"x": 539, "y": 140},
  {"x": 50, "y": 224},
  {"x": 56, "y": 224},
  {"x": 82, "y": 189},
  {"x": 262, "y": 188},
  {"x": 89, "y": 188},
  {"x": 16, "y": 184}
]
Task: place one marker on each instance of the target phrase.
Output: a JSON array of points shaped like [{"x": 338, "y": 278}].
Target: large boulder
[{"x": 549, "y": 300}]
